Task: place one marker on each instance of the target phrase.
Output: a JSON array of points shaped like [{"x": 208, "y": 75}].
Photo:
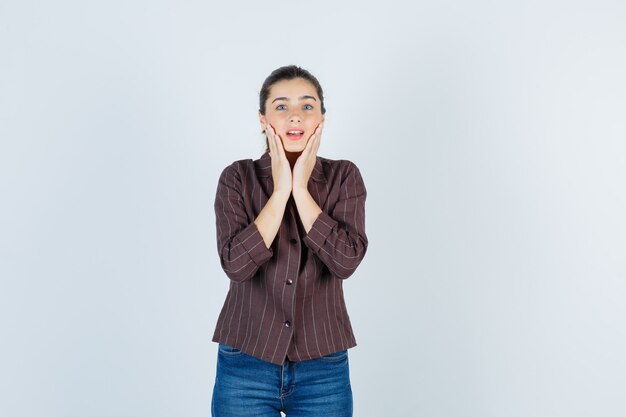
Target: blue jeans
[{"x": 249, "y": 387}]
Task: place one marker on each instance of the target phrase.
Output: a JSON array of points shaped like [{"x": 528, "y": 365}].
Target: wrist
[
  {"x": 282, "y": 195},
  {"x": 299, "y": 191}
]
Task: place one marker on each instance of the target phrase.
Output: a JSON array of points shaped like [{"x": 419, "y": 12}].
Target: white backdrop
[{"x": 490, "y": 136}]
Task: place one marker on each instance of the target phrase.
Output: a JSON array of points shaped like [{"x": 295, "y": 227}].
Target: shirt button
[
  {"x": 289, "y": 281},
  {"x": 293, "y": 241},
  {"x": 287, "y": 323}
]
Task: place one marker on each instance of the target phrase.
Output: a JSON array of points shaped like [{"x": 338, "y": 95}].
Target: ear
[{"x": 263, "y": 121}]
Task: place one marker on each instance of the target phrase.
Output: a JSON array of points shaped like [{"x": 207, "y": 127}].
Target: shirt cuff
[
  {"x": 321, "y": 229},
  {"x": 253, "y": 243}
]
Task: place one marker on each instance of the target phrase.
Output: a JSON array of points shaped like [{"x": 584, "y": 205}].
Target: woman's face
[{"x": 294, "y": 110}]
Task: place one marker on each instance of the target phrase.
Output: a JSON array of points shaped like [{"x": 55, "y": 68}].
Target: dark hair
[{"x": 288, "y": 72}]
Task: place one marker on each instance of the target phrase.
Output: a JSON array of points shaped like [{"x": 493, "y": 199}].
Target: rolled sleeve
[
  {"x": 321, "y": 229},
  {"x": 254, "y": 245},
  {"x": 338, "y": 236},
  {"x": 241, "y": 247}
]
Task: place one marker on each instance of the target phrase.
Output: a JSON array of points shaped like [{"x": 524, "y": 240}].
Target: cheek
[
  {"x": 314, "y": 120},
  {"x": 271, "y": 120},
  {"x": 274, "y": 119}
]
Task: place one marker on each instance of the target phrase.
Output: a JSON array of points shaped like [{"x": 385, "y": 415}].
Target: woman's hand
[
  {"x": 306, "y": 161},
  {"x": 269, "y": 219},
  {"x": 308, "y": 210},
  {"x": 281, "y": 170}
]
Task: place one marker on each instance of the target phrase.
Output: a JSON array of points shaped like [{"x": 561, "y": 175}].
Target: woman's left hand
[{"x": 306, "y": 161}]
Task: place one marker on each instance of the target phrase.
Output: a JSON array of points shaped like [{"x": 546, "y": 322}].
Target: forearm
[
  {"x": 337, "y": 235},
  {"x": 269, "y": 219},
  {"x": 340, "y": 249},
  {"x": 308, "y": 210}
]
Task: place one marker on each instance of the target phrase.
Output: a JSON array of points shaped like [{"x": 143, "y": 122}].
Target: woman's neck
[{"x": 292, "y": 157}]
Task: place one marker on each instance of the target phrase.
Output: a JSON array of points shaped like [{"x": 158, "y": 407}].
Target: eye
[
  {"x": 279, "y": 107},
  {"x": 308, "y": 107}
]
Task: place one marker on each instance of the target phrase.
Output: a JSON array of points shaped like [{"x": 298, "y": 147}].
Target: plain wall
[{"x": 491, "y": 138}]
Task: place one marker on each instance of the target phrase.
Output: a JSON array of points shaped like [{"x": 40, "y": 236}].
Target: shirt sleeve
[
  {"x": 338, "y": 238},
  {"x": 240, "y": 244}
]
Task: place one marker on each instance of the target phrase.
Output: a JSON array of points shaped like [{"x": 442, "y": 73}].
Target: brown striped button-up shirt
[{"x": 287, "y": 301}]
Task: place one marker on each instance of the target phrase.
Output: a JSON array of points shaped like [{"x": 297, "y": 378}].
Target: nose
[{"x": 295, "y": 116}]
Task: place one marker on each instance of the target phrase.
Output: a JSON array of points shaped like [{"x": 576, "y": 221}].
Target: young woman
[{"x": 290, "y": 229}]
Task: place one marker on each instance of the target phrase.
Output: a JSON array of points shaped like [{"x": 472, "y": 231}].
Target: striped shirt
[{"x": 287, "y": 301}]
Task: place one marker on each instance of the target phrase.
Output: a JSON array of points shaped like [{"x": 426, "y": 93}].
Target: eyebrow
[{"x": 301, "y": 98}]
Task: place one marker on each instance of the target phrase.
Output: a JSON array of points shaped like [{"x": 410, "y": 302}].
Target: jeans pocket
[
  {"x": 335, "y": 357},
  {"x": 228, "y": 350}
]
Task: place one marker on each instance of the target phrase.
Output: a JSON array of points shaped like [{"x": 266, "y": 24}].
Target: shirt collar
[{"x": 264, "y": 168}]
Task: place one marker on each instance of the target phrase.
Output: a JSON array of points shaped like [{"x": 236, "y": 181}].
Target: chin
[{"x": 294, "y": 148}]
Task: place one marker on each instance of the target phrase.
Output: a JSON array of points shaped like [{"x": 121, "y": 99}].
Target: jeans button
[{"x": 289, "y": 281}]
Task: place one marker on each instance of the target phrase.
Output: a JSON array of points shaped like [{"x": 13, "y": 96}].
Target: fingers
[
  {"x": 318, "y": 137},
  {"x": 270, "y": 141},
  {"x": 275, "y": 144},
  {"x": 313, "y": 143}
]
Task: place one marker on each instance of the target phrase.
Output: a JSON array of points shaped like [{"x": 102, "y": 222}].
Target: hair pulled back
[{"x": 288, "y": 72}]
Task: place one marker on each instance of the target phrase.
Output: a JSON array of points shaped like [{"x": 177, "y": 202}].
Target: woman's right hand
[
  {"x": 281, "y": 170},
  {"x": 269, "y": 219}
]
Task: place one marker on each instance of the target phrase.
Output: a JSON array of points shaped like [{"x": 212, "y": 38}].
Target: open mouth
[{"x": 295, "y": 134}]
